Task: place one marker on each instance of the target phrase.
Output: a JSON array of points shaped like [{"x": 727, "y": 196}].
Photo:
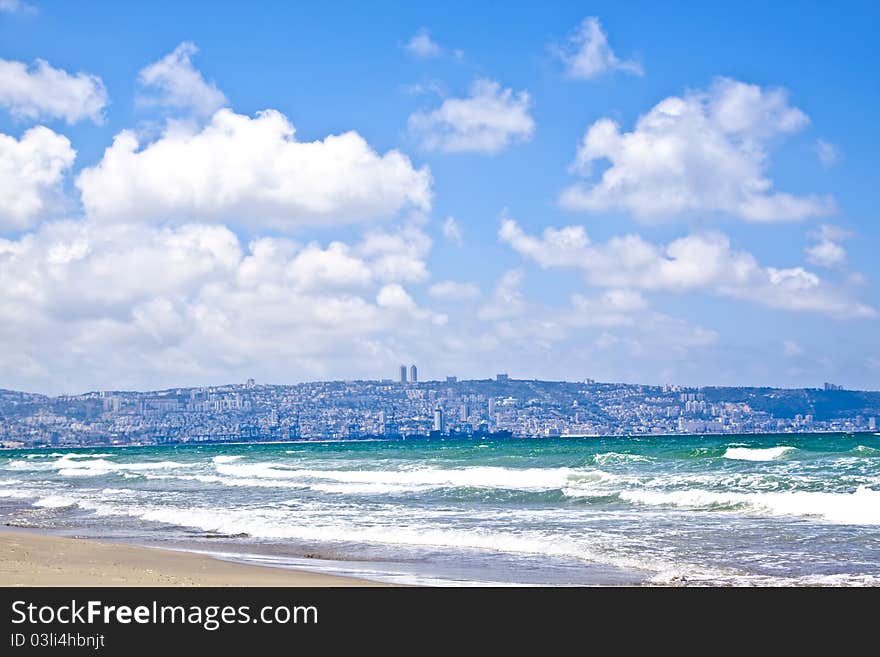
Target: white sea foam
[
  {"x": 56, "y": 502},
  {"x": 611, "y": 458},
  {"x": 225, "y": 458},
  {"x": 758, "y": 454},
  {"x": 861, "y": 507},
  {"x": 530, "y": 479},
  {"x": 279, "y": 524},
  {"x": 16, "y": 493},
  {"x": 100, "y": 467}
]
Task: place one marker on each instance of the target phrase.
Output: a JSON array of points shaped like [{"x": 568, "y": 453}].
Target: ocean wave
[
  {"x": 422, "y": 478},
  {"x": 15, "y": 493},
  {"x": 861, "y": 507},
  {"x": 865, "y": 450},
  {"x": 759, "y": 454},
  {"x": 56, "y": 502},
  {"x": 273, "y": 524},
  {"x": 709, "y": 578},
  {"x": 612, "y": 458},
  {"x": 87, "y": 465},
  {"x": 226, "y": 458},
  {"x": 100, "y": 467}
]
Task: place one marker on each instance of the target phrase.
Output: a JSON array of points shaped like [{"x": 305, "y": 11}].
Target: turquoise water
[{"x": 776, "y": 509}]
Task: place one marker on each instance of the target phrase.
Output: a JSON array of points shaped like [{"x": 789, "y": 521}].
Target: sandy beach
[{"x": 30, "y": 559}]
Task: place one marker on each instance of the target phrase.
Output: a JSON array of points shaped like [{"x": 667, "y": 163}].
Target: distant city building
[
  {"x": 501, "y": 377},
  {"x": 413, "y": 374},
  {"x": 831, "y": 386},
  {"x": 403, "y": 373},
  {"x": 451, "y": 379},
  {"x": 250, "y": 383},
  {"x": 340, "y": 409}
]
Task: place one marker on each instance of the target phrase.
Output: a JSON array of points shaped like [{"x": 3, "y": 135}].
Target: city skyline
[
  {"x": 579, "y": 193},
  {"x": 499, "y": 407}
]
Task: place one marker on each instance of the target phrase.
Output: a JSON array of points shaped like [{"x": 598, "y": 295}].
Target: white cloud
[
  {"x": 330, "y": 268},
  {"x": 250, "y": 171},
  {"x": 394, "y": 296},
  {"x": 826, "y": 254},
  {"x": 827, "y": 251},
  {"x": 40, "y": 91},
  {"x": 827, "y": 152},
  {"x": 694, "y": 262},
  {"x": 396, "y": 256},
  {"x": 612, "y": 308},
  {"x": 507, "y": 300},
  {"x": 31, "y": 173},
  {"x": 487, "y": 121},
  {"x": 175, "y": 82},
  {"x": 423, "y": 46},
  {"x": 564, "y": 332},
  {"x": 454, "y": 291},
  {"x": 702, "y": 152},
  {"x": 452, "y": 231},
  {"x": 588, "y": 54},
  {"x": 110, "y": 304}
]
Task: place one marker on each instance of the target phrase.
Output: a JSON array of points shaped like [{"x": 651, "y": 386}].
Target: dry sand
[{"x": 30, "y": 559}]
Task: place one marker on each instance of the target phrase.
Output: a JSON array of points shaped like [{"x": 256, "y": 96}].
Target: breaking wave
[{"x": 759, "y": 454}]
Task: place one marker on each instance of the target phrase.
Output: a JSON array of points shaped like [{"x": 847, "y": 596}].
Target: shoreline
[
  {"x": 239, "y": 443},
  {"x": 36, "y": 559}
]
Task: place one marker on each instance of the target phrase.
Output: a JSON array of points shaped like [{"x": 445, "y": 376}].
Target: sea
[{"x": 740, "y": 510}]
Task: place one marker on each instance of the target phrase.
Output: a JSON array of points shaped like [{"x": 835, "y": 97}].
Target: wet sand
[{"x": 32, "y": 559}]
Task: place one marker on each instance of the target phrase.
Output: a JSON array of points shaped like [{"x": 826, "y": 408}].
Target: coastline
[
  {"x": 537, "y": 437},
  {"x": 36, "y": 559}
]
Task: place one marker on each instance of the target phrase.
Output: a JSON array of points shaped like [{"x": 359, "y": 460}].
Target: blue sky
[{"x": 682, "y": 193}]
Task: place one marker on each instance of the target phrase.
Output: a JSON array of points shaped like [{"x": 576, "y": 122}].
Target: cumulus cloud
[
  {"x": 121, "y": 303},
  {"x": 705, "y": 151},
  {"x": 507, "y": 300},
  {"x": 173, "y": 81},
  {"x": 564, "y": 332},
  {"x": 588, "y": 55},
  {"x": 826, "y": 254},
  {"x": 827, "y": 250},
  {"x": 695, "y": 262},
  {"x": 454, "y": 291},
  {"x": 487, "y": 121},
  {"x": 40, "y": 91},
  {"x": 250, "y": 170},
  {"x": 452, "y": 231},
  {"x": 422, "y": 45},
  {"x": 31, "y": 172},
  {"x": 827, "y": 153}
]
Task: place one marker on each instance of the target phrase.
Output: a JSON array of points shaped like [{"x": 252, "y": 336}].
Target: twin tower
[{"x": 413, "y": 374}]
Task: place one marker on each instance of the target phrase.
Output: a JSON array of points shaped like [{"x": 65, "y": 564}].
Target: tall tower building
[
  {"x": 439, "y": 423},
  {"x": 403, "y": 373},
  {"x": 413, "y": 374},
  {"x": 465, "y": 412}
]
